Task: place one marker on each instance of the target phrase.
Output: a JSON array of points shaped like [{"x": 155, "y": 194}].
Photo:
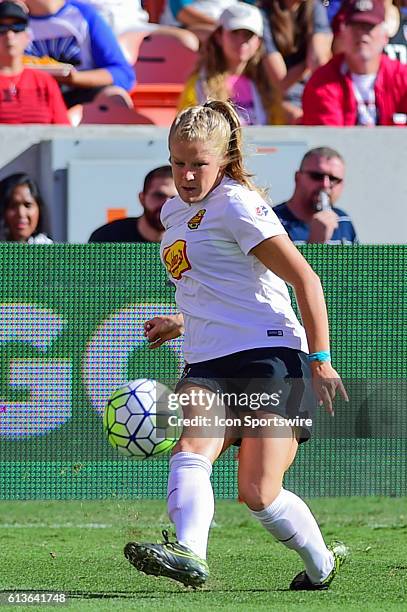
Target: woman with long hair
[
  {"x": 230, "y": 259},
  {"x": 298, "y": 40},
  {"x": 232, "y": 67}
]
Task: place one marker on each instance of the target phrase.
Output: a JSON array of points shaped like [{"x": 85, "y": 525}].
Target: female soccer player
[{"x": 230, "y": 258}]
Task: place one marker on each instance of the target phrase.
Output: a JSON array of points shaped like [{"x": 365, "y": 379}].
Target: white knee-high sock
[
  {"x": 190, "y": 500},
  {"x": 292, "y": 523}
]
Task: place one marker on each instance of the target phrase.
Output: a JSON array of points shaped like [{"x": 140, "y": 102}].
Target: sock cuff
[
  {"x": 271, "y": 509},
  {"x": 187, "y": 459}
]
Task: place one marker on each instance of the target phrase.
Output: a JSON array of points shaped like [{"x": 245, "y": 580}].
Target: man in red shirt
[
  {"x": 26, "y": 96},
  {"x": 361, "y": 86}
]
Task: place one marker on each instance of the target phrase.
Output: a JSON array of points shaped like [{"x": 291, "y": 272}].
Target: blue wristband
[{"x": 320, "y": 356}]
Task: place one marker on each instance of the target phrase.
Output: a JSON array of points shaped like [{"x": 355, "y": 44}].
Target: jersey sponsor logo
[
  {"x": 195, "y": 222},
  {"x": 175, "y": 259},
  {"x": 262, "y": 211},
  {"x": 275, "y": 332}
]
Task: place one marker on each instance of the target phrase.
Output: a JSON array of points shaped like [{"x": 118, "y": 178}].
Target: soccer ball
[{"x": 136, "y": 420}]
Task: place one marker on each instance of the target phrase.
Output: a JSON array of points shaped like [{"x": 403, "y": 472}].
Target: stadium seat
[
  {"x": 111, "y": 107},
  {"x": 164, "y": 59},
  {"x": 157, "y": 101},
  {"x": 130, "y": 43}
]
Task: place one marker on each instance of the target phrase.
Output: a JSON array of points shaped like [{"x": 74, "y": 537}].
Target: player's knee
[{"x": 258, "y": 496}]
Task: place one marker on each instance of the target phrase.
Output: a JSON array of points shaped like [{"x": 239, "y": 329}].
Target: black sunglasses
[
  {"x": 319, "y": 176},
  {"x": 14, "y": 27}
]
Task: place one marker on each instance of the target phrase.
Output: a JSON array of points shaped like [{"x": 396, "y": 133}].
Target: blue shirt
[
  {"x": 298, "y": 231},
  {"x": 77, "y": 34}
]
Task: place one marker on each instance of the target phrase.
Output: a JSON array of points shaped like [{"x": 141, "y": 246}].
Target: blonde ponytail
[{"x": 235, "y": 168}]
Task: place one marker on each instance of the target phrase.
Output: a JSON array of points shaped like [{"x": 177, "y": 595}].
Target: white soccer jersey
[{"x": 230, "y": 301}]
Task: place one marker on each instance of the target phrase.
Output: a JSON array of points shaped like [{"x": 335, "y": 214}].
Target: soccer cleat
[
  {"x": 169, "y": 559},
  {"x": 302, "y": 583}
]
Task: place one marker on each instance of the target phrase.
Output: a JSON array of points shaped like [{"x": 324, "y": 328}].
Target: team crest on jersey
[
  {"x": 195, "y": 222},
  {"x": 262, "y": 211},
  {"x": 175, "y": 259}
]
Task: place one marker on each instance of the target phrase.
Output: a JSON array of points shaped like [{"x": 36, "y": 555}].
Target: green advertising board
[{"x": 71, "y": 332}]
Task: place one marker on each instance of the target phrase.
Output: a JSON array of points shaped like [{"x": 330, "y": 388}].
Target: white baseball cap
[{"x": 242, "y": 16}]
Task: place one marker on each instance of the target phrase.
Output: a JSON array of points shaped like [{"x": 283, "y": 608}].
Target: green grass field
[{"x": 77, "y": 547}]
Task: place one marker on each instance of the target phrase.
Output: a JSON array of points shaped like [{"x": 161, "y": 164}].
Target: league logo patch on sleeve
[
  {"x": 262, "y": 211},
  {"x": 175, "y": 259},
  {"x": 195, "y": 222}
]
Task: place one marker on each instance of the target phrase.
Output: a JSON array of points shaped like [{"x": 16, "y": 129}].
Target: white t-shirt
[
  {"x": 122, "y": 15},
  {"x": 39, "y": 239},
  {"x": 230, "y": 301},
  {"x": 363, "y": 89}
]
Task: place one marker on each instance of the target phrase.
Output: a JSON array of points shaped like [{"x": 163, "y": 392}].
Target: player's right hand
[{"x": 163, "y": 328}]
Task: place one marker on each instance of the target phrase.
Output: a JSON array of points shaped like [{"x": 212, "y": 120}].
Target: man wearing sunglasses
[
  {"x": 26, "y": 96},
  {"x": 310, "y": 216}
]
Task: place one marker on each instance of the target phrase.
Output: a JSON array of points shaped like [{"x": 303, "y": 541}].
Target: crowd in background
[
  {"x": 310, "y": 215},
  {"x": 312, "y": 62}
]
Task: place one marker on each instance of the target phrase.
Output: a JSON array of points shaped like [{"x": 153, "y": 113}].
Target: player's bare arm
[{"x": 280, "y": 256}]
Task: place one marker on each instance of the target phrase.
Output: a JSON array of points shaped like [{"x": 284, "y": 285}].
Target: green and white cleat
[
  {"x": 302, "y": 583},
  {"x": 169, "y": 559}
]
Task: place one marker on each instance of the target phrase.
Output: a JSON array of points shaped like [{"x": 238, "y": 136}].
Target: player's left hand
[{"x": 326, "y": 382}]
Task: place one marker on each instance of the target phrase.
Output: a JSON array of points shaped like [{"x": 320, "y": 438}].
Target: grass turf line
[{"x": 77, "y": 547}]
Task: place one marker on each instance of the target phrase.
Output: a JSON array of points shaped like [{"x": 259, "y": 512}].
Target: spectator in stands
[
  {"x": 200, "y": 16},
  {"x": 396, "y": 29},
  {"x": 129, "y": 22},
  {"x": 23, "y": 215},
  {"x": 298, "y": 40},
  {"x": 74, "y": 33},
  {"x": 361, "y": 86},
  {"x": 121, "y": 15},
  {"x": 26, "y": 96},
  {"x": 157, "y": 189},
  {"x": 396, "y": 24},
  {"x": 231, "y": 67},
  {"x": 332, "y": 9},
  {"x": 304, "y": 216},
  {"x": 190, "y": 13}
]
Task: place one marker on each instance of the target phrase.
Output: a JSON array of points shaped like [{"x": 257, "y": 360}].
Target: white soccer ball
[{"x": 136, "y": 420}]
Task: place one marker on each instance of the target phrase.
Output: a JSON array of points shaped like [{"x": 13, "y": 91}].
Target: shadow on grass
[
  {"x": 140, "y": 594},
  {"x": 158, "y": 595}
]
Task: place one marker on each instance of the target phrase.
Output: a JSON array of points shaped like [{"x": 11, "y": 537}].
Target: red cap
[{"x": 365, "y": 11}]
